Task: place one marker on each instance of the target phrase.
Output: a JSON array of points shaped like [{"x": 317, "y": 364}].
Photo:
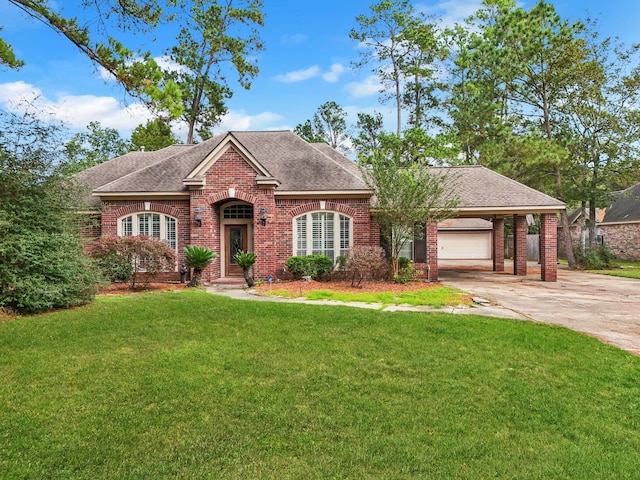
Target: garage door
[{"x": 464, "y": 245}]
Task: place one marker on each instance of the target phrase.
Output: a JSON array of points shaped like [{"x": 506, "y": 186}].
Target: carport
[{"x": 487, "y": 195}]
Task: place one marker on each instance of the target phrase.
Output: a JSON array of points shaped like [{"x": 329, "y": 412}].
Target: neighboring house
[
  {"x": 620, "y": 226},
  {"x": 276, "y": 195}
]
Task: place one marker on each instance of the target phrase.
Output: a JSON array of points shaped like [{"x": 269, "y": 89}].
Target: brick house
[
  {"x": 620, "y": 225},
  {"x": 276, "y": 195}
]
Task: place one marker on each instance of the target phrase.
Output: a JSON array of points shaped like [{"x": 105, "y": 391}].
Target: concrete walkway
[{"x": 602, "y": 306}]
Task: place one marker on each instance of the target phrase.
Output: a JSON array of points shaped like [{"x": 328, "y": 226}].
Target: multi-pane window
[
  {"x": 153, "y": 225},
  {"x": 238, "y": 210},
  {"x": 327, "y": 233}
]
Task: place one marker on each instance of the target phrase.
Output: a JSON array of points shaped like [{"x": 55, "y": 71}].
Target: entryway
[{"x": 235, "y": 240}]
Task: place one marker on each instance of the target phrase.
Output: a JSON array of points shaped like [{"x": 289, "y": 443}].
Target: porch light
[
  {"x": 263, "y": 216},
  {"x": 197, "y": 211}
]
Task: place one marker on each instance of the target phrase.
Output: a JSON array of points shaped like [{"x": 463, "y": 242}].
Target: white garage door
[{"x": 464, "y": 245}]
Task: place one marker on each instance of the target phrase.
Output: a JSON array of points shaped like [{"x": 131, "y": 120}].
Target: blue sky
[{"x": 307, "y": 62}]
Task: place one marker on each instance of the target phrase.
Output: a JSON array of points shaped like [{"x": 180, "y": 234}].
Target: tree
[
  {"x": 526, "y": 63},
  {"x": 198, "y": 258},
  {"x": 91, "y": 148},
  {"x": 329, "y": 126},
  {"x": 407, "y": 194},
  {"x": 309, "y": 133},
  {"x": 148, "y": 255},
  {"x": 601, "y": 128},
  {"x": 153, "y": 135},
  {"x": 369, "y": 128},
  {"x": 212, "y": 37},
  {"x": 381, "y": 34},
  {"x": 136, "y": 71},
  {"x": 42, "y": 262}
]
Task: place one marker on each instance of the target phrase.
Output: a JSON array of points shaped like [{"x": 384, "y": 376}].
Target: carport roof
[{"x": 483, "y": 192}]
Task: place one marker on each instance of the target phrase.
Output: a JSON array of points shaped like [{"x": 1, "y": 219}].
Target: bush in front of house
[
  {"x": 405, "y": 271},
  {"x": 198, "y": 258},
  {"x": 245, "y": 261},
  {"x": 144, "y": 254},
  {"x": 365, "y": 263},
  {"x": 314, "y": 266}
]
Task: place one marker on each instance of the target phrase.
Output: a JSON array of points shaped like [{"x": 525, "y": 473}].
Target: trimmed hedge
[{"x": 313, "y": 266}]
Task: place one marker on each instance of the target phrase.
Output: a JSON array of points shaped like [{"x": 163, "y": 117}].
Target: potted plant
[{"x": 245, "y": 260}]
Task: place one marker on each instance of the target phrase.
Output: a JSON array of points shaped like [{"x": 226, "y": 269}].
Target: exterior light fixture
[
  {"x": 263, "y": 216},
  {"x": 197, "y": 211}
]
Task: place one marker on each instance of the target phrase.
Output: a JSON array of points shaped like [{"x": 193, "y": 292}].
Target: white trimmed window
[
  {"x": 326, "y": 233},
  {"x": 154, "y": 225}
]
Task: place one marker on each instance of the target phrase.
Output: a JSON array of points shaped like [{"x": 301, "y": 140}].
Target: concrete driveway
[{"x": 602, "y": 306}]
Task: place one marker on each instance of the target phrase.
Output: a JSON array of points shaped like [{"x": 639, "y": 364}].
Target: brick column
[
  {"x": 498, "y": 244},
  {"x": 432, "y": 250},
  {"x": 549, "y": 247},
  {"x": 519, "y": 245}
]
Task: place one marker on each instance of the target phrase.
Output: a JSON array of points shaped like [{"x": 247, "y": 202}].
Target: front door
[{"x": 235, "y": 240}]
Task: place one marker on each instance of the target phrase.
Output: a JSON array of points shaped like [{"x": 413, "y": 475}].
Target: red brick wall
[
  {"x": 548, "y": 247},
  {"x": 623, "y": 240},
  {"x": 498, "y": 244},
  {"x": 520, "y": 228}
]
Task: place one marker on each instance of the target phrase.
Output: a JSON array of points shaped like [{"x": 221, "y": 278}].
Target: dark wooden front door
[{"x": 235, "y": 240}]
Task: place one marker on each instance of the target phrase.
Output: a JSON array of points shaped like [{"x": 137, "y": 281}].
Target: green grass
[
  {"x": 622, "y": 268},
  {"x": 434, "y": 296},
  {"x": 191, "y": 385}
]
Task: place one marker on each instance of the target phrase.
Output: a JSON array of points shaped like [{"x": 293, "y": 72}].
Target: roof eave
[
  {"x": 324, "y": 193},
  {"x": 507, "y": 211},
  {"x": 137, "y": 195}
]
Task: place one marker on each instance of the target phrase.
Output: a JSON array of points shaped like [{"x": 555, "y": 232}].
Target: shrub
[
  {"x": 144, "y": 254},
  {"x": 599, "y": 258},
  {"x": 246, "y": 260},
  {"x": 114, "y": 267},
  {"x": 405, "y": 271},
  {"x": 42, "y": 271},
  {"x": 365, "y": 263},
  {"x": 313, "y": 266},
  {"x": 198, "y": 258}
]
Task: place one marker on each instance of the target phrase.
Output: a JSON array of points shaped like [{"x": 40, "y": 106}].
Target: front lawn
[{"x": 187, "y": 385}]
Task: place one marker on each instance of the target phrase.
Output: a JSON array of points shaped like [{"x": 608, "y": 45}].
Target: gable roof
[
  {"x": 625, "y": 207},
  {"x": 298, "y": 167}
]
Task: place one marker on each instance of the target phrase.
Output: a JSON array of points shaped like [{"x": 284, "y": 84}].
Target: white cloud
[
  {"x": 240, "y": 120},
  {"x": 77, "y": 111},
  {"x": 298, "y": 75},
  {"x": 290, "y": 40},
  {"x": 333, "y": 75},
  {"x": 368, "y": 87}
]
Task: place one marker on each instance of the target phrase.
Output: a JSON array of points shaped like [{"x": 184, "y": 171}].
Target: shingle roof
[
  {"x": 480, "y": 188},
  {"x": 299, "y": 167},
  {"x": 626, "y": 206}
]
